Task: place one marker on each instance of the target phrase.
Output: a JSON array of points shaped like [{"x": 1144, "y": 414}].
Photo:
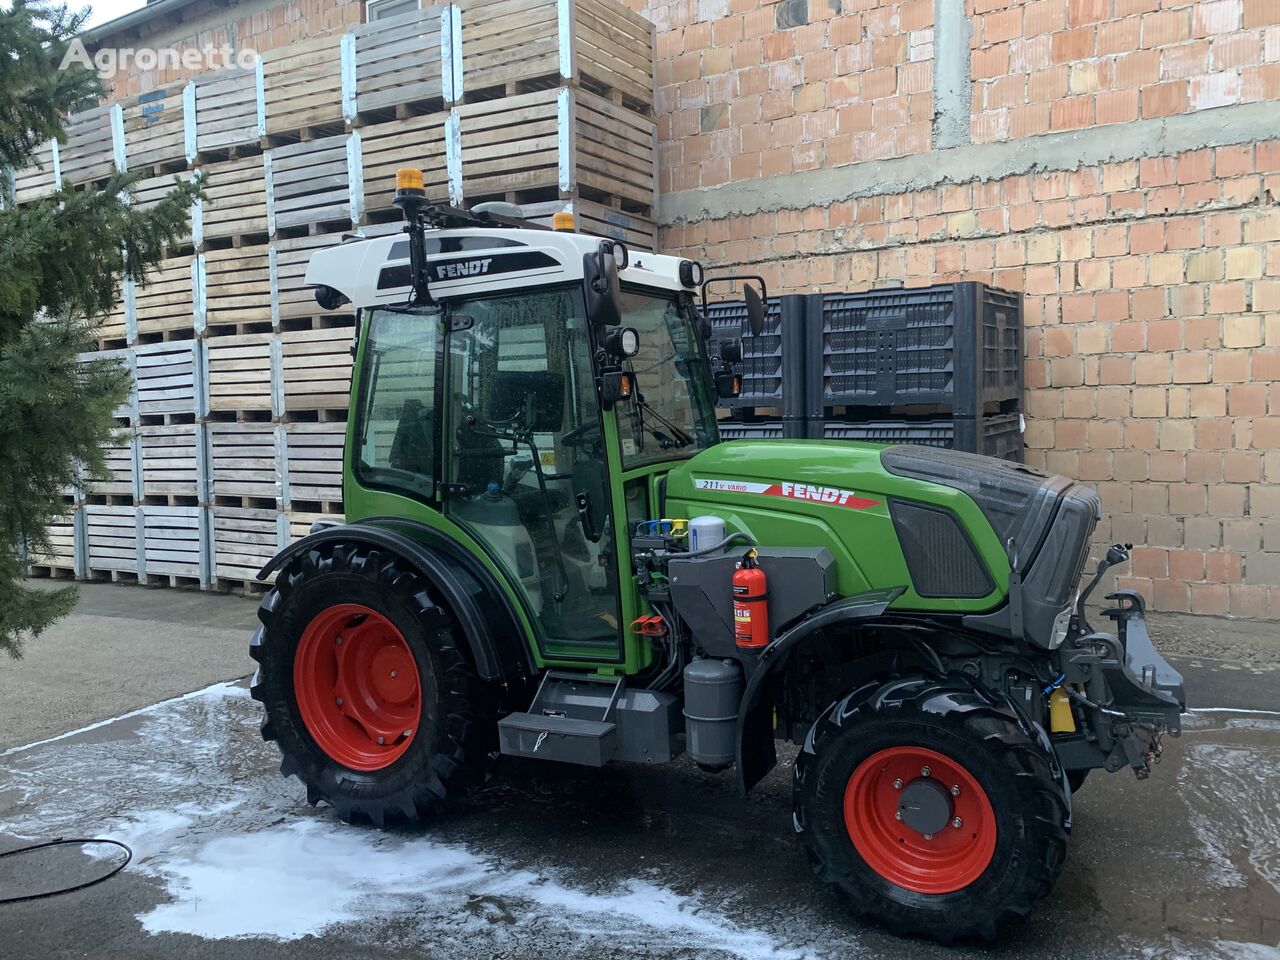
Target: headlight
[
  {"x": 690, "y": 273},
  {"x": 1061, "y": 624},
  {"x": 622, "y": 342}
]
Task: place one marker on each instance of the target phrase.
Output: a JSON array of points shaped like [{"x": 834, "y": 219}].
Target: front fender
[
  {"x": 756, "y": 752},
  {"x": 471, "y": 593}
]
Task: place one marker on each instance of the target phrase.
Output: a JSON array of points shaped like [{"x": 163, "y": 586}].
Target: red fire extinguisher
[{"x": 750, "y": 604}]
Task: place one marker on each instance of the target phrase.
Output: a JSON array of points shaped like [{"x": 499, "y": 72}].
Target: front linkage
[{"x": 1129, "y": 695}]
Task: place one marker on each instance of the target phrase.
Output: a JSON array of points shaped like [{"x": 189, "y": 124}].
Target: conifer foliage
[{"x": 62, "y": 260}]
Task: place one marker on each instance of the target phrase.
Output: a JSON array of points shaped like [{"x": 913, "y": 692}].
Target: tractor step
[
  {"x": 570, "y": 720},
  {"x": 577, "y": 718},
  {"x": 588, "y": 742}
]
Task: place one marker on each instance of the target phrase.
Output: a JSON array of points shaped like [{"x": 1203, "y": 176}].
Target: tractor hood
[{"x": 951, "y": 524}]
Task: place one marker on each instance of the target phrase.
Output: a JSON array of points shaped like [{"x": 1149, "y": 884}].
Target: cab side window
[{"x": 399, "y": 433}]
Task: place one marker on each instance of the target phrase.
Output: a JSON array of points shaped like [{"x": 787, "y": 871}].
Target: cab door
[{"x": 525, "y": 471}]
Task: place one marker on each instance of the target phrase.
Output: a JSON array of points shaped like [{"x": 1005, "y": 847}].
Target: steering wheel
[{"x": 583, "y": 435}]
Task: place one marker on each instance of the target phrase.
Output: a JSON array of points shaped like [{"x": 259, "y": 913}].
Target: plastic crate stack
[
  {"x": 940, "y": 366},
  {"x": 231, "y": 445}
]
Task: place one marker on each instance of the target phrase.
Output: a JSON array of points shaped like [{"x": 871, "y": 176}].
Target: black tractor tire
[
  {"x": 450, "y": 749},
  {"x": 1026, "y": 798}
]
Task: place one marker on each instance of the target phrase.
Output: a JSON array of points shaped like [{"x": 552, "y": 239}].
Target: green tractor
[{"x": 548, "y": 553}]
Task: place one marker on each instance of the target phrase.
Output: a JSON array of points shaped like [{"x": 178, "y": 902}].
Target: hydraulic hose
[{"x": 737, "y": 535}]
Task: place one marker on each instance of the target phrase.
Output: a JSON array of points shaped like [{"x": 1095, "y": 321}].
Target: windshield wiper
[{"x": 679, "y": 438}]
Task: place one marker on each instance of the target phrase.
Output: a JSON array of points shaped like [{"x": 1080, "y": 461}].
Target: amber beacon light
[
  {"x": 562, "y": 221},
  {"x": 409, "y": 182}
]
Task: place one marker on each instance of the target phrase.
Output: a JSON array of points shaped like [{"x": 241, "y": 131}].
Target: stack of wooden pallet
[{"x": 231, "y": 444}]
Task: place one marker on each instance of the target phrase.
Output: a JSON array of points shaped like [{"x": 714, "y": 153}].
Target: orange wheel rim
[
  {"x": 920, "y": 820},
  {"x": 357, "y": 687}
]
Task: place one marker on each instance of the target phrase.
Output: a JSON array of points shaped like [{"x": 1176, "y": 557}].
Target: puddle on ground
[{"x": 192, "y": 788}]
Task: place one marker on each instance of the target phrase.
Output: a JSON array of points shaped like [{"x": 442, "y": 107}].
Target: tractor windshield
[{"x": 672, "y": 414}]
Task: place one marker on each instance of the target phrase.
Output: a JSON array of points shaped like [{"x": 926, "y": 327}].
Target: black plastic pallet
[
  {"x": 999, "y": 435},
  {"x": 956, "y": 346}
]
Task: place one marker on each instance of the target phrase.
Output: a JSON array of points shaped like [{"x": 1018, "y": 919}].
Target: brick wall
[{"x": 1149, "y": 254}]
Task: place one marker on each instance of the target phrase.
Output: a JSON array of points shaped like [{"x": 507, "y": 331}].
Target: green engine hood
[{"x": 832, "y": 494}]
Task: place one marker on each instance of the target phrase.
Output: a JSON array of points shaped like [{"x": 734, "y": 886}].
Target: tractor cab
[{"x": 503, "y": 376}]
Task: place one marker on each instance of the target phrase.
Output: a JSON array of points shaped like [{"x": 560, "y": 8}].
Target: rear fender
[{"x": 472, "y": 594}]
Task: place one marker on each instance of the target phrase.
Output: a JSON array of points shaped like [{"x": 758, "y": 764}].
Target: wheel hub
[
  {"x": 357, "y": 686},
  {"x": 925, "y": 806}
]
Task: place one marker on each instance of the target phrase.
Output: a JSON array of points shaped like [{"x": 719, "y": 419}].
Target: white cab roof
[{"x": 474, "y": 260}]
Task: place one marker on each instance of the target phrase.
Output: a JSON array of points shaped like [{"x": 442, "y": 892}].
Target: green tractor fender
[
  {"x": 483, "y": 612},
  {"x": 756, "y": 752}
]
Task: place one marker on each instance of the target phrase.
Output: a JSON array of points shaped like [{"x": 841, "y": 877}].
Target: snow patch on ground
[{"x": 248, "y": 859}]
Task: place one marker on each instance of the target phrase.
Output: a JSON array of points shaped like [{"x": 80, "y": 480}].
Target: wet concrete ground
[{"x": 560, "y": 862}]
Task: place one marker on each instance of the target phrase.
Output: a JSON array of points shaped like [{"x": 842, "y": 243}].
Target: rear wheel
[
  {"x": 366, "y": 690},
  {"x": 942, "y": 825}
]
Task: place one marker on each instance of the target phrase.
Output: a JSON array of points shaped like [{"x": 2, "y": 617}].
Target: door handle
[{"x": 586, "y": 516}]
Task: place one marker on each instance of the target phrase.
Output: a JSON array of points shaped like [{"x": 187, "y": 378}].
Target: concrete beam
[
  {"x": 1243, "y": 123},
  {"x": 952, "y": 86}
]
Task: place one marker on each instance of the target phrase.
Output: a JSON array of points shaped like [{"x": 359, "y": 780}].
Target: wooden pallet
[
  {"x": 399, "y": 60},
  {"x": 89, "y": 153},
  {"x": 244, "y": 540},
  {"x": 171, "y": 542},
  {"x": 235, "y": 207},
  {"x": 301, "y": 85},
  {"x": 293, "y": 296},
  {"x": 244, "y": 461},
  {"x": 166, "y": 381},
  {"x": 228, "y": 115},
  {"x": 637, "y": 231},
  {"x": 416, "y": 142},
  {"x": 168, "y": 461},
  {"x": 561, "y": 140},
  {"x": 149, "y": 192},
  {"x": 614, "y": 52},
  {"x": 311, "y": 183},
  {"x": 316, "y": 369},
  {"x": 58, "y": 556},
  {"x": 300, "y": 522},
  {"x": 238, "y": 290},
  {"x": 113, "y": 331},
  {"x": 155, "y": 130},
  {"x": 241, "y": 373},
  {"x": 120, "y": 456},
  {"x": 515, "y": 46},
  {"x": 167, "y": 300},
  {"x": 41, "y": 177},
  {"x": 111, "y": 538},
  {"x": 313, "y": 463}
]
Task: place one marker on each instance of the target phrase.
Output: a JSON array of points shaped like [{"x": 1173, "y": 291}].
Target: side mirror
[
  {"x": 755, "y": 310},
  {"x": 728, "y": 385},
  {"x": 600, "y": 283},
  {"x": 615, "y": 385}
]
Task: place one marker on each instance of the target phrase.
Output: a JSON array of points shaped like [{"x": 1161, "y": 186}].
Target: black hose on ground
[{"x": 60, "y": 842}]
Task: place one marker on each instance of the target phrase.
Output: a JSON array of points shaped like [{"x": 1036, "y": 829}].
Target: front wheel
[
  {"x": 944, "y": 825},
  {"x": 366, "y": 691}
]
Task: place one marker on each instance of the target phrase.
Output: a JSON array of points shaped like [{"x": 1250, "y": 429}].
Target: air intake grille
[{"x": 940, "y": 556}]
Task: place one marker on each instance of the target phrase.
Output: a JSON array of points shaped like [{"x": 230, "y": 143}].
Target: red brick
[
  {"x": 1071, "y": 45},
  {"x": 1147, "y": 237},
  {"x": 1165, "y": 99}
]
